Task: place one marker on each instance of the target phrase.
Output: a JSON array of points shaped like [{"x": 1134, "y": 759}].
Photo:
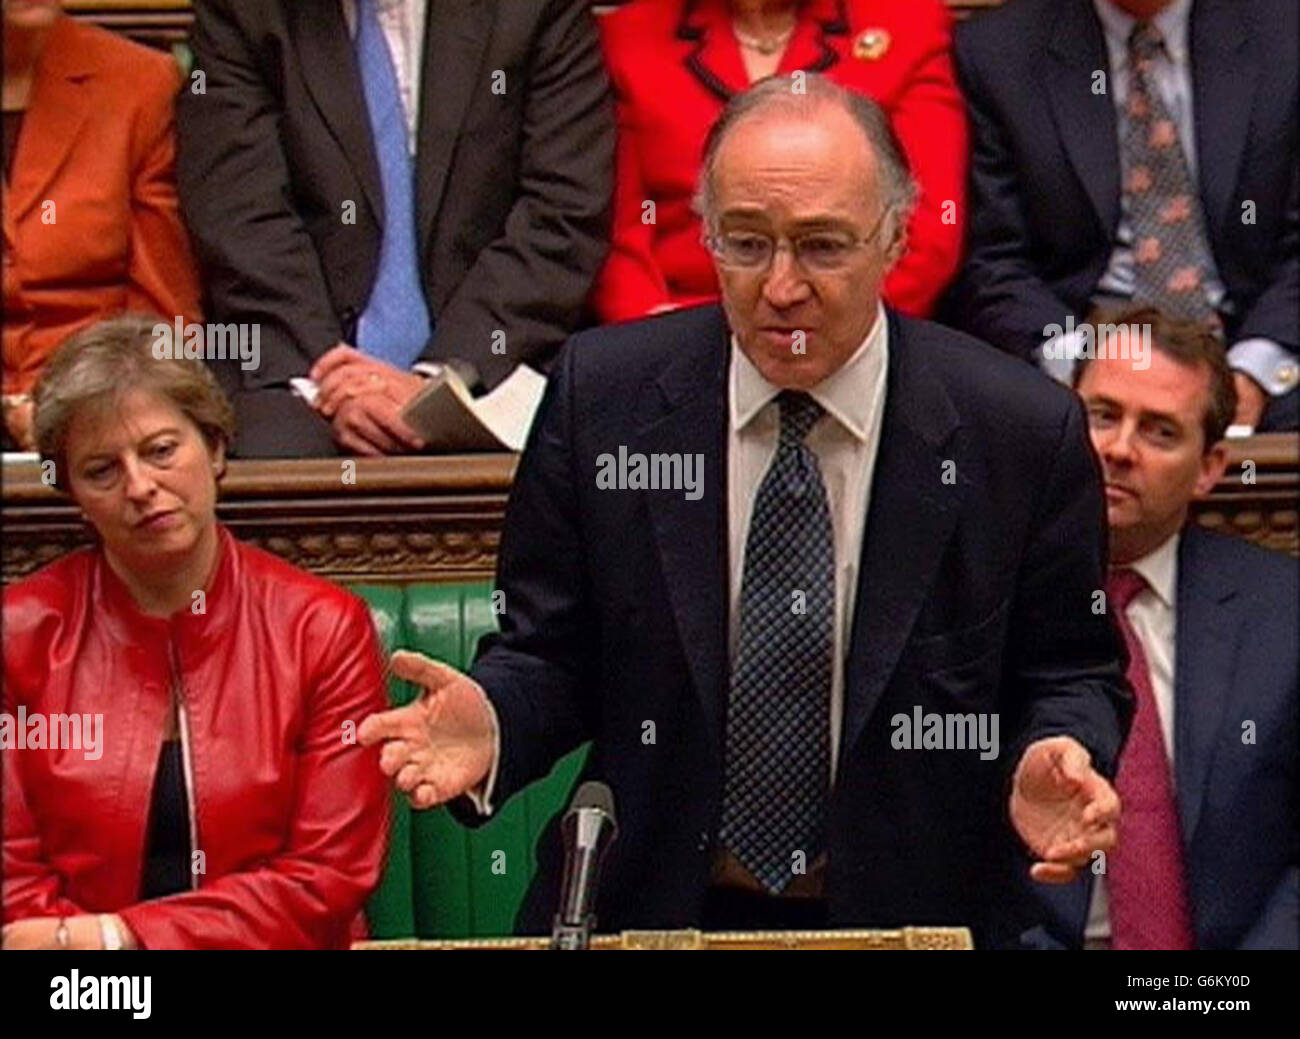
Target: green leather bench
[{"x": 444, "y": 880}]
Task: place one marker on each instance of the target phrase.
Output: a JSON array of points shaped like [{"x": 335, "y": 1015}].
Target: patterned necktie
[
  {"x": 778, "y": 716},
  {"x": 395, "y": 326},
  {"x": 1145, "y": 877},
  {"x": 1171, "y": 261}
]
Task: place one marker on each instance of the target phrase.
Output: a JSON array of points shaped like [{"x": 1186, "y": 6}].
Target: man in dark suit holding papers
[
  {"x": 892, "y": 515},
  {"x": 388, "y": 189}
]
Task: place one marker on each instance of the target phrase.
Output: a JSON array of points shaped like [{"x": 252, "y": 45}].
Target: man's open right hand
[{"x": 440, "y": 745}]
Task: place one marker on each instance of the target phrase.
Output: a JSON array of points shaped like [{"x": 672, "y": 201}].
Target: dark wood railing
[{"x": 439, "y": 519}]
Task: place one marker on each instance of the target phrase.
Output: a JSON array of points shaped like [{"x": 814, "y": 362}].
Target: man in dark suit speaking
[{"x": 817, "y": 581}]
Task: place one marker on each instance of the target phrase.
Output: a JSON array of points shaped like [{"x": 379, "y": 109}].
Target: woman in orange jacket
[
  {"x": 92, "y": 226},
  {"x": 674, "y": 64}
]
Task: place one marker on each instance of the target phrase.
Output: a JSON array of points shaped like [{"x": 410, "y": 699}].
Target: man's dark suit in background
[
  {"x": 1045, "y": 174},
  {"x": 1238, "y": 792},
  {"x": 975, "y": 595},
  {"x": 512, "y": 185}
]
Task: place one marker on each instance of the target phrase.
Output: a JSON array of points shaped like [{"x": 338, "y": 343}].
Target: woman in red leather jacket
[{"x": 216, "y": 796}]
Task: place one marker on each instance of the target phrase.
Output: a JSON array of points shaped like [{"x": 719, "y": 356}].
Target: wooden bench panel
[{"x": 439, "y": 519}]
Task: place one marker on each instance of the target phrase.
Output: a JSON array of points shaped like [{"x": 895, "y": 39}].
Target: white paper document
[{"x": 451, "y": 420}]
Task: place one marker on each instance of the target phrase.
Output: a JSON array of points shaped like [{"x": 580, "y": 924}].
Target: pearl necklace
[{"x": 766, "y": 47}]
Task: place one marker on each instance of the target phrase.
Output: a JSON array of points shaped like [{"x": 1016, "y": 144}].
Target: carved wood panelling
[{"x": 439, "y": 519}]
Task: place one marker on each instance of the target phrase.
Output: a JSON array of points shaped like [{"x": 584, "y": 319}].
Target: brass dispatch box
[{"x": 904, "y": 938}]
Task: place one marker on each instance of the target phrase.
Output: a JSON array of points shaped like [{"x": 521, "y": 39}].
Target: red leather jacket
[{"x": 273, "y": 678}]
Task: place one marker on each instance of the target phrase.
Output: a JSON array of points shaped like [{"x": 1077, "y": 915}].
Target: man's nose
[
  {"x": 1117, "y": 446},
  {"x": 785, "y": 284}
]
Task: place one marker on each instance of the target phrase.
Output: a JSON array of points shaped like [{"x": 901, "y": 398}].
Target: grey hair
[
  {"x": 97, "y": 366},
  {"x": 777, "y": 93}
]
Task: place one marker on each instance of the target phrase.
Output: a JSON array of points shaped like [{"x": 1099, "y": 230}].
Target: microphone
[{"x": 588, "y": 828}]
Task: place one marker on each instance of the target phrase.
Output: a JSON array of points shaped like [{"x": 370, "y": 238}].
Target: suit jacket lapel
[
  {"x": 685, "y": 412},
  {"x": 59, "y": 107},
  {"x": 455, "y": 36},
  {"x": 329, "y": 66},
  {"x": 1209, "y": 619},
  {"x": 1223, "y": 84},
  {"x": 910, "y": 518},
  {"x": 813, "y": 47},
  {"x": 1085, "y": 121}
]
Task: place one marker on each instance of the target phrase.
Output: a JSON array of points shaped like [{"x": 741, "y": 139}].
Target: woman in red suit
[
  {"x": 674, "y": 64},
  {"x": 179, "y": 752},
  {"x": 92, "y": 225}
]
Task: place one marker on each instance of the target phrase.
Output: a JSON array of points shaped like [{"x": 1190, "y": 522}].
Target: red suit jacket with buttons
[
  {"x": 271, "y": 678},
  {"x": 674, "y": 64}
]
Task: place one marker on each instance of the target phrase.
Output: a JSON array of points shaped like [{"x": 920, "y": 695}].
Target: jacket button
[{"x": 703, "y": 843}]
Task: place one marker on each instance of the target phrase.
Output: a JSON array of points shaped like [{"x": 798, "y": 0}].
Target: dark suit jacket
[
  {"x": 1235, "y": 661},
  {"x": 1045, "y": 180},
  {"x": 975, "y": 596},
  {"x": 512, "y": 189}
]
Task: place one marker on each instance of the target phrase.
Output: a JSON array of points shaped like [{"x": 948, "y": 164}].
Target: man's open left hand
[{"x": 1063, "y": 809}]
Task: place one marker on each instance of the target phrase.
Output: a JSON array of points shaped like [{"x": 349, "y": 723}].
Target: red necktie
[{"x": 1146, "y": 881}]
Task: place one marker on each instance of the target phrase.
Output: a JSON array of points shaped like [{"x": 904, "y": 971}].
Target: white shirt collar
[
  {"x": 1159, "y": 568},
  {"x": 847, "y": 393},
  {"x": 1172, "y": 23}
]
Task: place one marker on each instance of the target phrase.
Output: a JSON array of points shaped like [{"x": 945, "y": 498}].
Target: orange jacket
[
  {"x": 291, "y": 814},
  {"x": 672, "y": 62},
  {"x": 92, "y": 226}
]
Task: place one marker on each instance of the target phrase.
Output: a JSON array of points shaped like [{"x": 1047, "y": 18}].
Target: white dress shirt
[
  {"x": 845, "y": 441},
  {"x": 403, "y": 24},
  {"x": 1153, "y": 616},
  {"x": 1265, "y": 361}
]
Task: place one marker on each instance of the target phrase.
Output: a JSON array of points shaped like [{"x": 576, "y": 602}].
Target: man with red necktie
[{"x": 1209, "y": 781}]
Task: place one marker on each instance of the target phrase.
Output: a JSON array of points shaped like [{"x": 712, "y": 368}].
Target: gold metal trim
[{"x": 955, "y": 938}]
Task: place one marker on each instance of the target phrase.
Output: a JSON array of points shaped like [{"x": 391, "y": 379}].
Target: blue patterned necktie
[
  {"x": 395, "y": 326},
  {"x": 777, "y": 777}
]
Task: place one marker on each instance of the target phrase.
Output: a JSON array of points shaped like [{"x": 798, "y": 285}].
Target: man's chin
[{"x": 789, "y": 371}]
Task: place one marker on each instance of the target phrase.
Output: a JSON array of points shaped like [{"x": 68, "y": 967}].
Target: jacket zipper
[{"x": 187, "y": 763}]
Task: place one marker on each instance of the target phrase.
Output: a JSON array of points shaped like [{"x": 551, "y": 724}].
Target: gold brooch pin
[{"x": 871, "y": 45}]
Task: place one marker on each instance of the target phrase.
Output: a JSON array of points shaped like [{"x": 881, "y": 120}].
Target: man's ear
[
  {"x": 899, "y": 245},
  {"x": 1213, "y": 464}
]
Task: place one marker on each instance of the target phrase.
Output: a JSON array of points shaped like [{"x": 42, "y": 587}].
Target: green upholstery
[{"x": 440, "y": 881}]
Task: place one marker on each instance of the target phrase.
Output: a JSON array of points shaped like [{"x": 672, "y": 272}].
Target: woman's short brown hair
[{"x": 99, "y": 365}]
